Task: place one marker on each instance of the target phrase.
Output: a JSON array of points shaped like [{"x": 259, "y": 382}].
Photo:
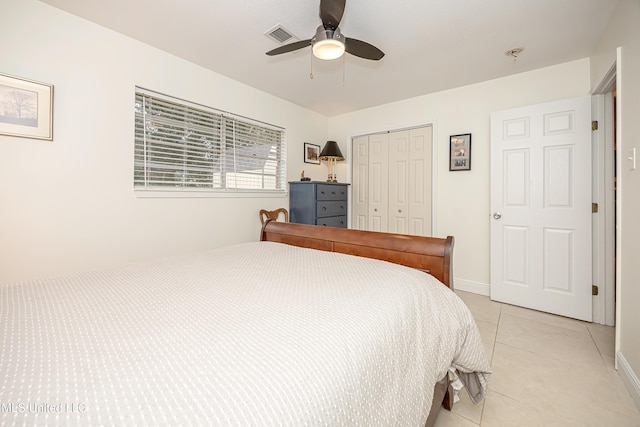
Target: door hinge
[
  {"x": 594, "y": 208},
  {"x": 594, "y": 125},
  {"x": 594, "y": 290}
]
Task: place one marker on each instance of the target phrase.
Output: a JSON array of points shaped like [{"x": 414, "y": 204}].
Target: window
[{"x": 180, "y": 146}]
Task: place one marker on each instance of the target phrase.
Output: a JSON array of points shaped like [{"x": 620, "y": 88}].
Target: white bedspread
[{"x": 254, "y": 334}]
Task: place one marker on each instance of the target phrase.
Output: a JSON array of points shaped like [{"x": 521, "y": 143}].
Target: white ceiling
[{"x": 430, "y": 45}]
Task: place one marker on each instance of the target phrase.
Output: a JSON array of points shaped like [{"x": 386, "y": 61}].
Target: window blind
[{"x": 185, "y": 146}]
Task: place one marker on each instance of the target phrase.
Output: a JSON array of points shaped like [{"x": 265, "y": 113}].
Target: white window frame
[{"x": 233, "y": 151}]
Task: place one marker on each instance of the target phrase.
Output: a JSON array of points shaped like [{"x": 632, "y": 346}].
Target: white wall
[
  {"x": 69, "y": 205},
  {"x": 462, "y": 198},
  {"x": 623, "y": 31}
]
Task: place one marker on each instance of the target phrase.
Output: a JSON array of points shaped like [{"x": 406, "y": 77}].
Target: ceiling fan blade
[
  {"x": 331, "y": 12},
  {"x": 289, "y": 47},
  {"x": 363, "y": 49}
]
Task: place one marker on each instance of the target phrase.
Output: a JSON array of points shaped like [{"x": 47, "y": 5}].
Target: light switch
[{"x": 632, "y": 159}]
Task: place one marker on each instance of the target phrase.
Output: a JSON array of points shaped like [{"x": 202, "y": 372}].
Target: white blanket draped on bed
[{"x": 254, "y": 334}]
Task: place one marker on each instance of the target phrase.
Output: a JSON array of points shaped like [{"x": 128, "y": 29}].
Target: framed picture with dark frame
[
  {"x": 26, "y": 108},
  {"x": 311, "y": 153},
  {"x": 460, "y": 152}
]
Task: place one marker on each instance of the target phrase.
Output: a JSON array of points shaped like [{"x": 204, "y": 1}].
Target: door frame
[{"x": 604, "y": 222}]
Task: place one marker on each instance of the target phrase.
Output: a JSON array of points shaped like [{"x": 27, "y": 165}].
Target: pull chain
[{"x": 311, "y": 65}]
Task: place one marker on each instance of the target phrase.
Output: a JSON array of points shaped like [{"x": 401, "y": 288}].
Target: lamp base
[{"x": 332, "y": 177}]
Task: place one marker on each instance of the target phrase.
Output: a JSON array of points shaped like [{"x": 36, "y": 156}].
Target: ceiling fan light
[
  {"x": 328, "y": 49},
  {"x": 328, "y": 43}
]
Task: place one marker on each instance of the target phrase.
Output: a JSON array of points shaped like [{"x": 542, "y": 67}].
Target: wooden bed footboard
[{"x": 430, "y": 254}]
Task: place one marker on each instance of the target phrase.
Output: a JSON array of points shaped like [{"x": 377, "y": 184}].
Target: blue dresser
[{"x": 318, "y": 203}]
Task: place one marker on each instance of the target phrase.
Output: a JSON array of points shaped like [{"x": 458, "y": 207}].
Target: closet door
[
  {"x": 360, "y": 186},
  {"x": 420, "y": 181},
  {"x": 392, "y": 182},
  {"x": 378, "y": 182},
  {"x": 399, "y": 183}
]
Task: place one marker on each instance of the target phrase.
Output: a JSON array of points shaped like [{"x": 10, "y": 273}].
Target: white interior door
[
  {"x": 360, "y": 184},
  {"x": 541, "y": 207},
  {"x": 378, "y": 182},
  {"x": 399, "y": 182},
  {"x": 420, "y": 181}
]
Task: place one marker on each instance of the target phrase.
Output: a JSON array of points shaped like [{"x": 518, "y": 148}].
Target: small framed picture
[
  {"x": 311, "y": 153},
  {"x": 460, "y": 154},
  {"x": 26, "y": 108}
]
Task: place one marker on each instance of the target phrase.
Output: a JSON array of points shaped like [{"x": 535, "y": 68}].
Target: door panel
[
  {"x": 398, "y": 182},
  {"x": 421, "y": 140},
  {"x": 516, "y": 255},
  {"x": 516, "y": 173},
  {"x": 378, "y": 182},
  {"x": 541, "y": 206},
  {"x": 558, "y": 247},
  {"x": 360, "y": 185},
  {"x": 558, "y": 167}
]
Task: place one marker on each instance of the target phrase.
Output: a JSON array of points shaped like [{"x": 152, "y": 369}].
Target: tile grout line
[
  {"x": 493, "y": 353},
  {"x": 597, "y": 347}
]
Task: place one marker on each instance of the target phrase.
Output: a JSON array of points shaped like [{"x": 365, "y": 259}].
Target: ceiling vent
[{"x": 280, "y": 34}]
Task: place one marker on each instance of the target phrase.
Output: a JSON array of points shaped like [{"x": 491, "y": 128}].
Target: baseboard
[
  {"x": 473, "y": 287},
  {"x": 629, "y": 378}
]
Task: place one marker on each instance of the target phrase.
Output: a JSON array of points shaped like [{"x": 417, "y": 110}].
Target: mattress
[{"x": 255, "y": 334}]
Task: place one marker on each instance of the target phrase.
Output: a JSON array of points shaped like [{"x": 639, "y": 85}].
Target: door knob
[{"x": 497, "y": 215}]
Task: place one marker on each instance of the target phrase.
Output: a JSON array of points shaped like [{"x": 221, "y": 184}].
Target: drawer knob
[
  {"x": 399, "y": 210},
  {"x": 324, "y": 208},
  {"x": 375, "y": 210}
]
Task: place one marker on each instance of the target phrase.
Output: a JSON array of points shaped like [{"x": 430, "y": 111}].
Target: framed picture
[
  {"x": 26, "y": 108},
  {"x": 460, "y": 154},
  {"x": 311, "y": 153}
]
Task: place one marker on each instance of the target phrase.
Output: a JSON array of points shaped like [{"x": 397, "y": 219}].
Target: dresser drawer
[
  {"x": 331, "y": 208},
  {"x": 331, "y": 192},
  {"x": 333, "y": 221}
]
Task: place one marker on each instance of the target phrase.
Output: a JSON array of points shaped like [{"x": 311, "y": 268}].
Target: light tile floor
[{"x": 547, "y": 371}]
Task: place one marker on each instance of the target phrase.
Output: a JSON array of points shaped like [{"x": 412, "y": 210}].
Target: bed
[{"x": 308, "y": 326}]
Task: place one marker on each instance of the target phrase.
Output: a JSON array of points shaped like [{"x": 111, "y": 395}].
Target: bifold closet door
[
  {"x": 391, "y": 187},
  {"x": 420, "y": 181},
  {"x": 410, "y": 181},
  {"x": 399, "y": 182},
  {"x": 379, "y": 182},
  {"x": 360, "y": 183}
]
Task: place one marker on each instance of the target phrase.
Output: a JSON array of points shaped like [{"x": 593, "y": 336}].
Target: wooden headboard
[{"x": 429, "y": 254}]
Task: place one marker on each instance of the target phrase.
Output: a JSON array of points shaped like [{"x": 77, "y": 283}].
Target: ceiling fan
[{"x": 329, "y": 42}]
